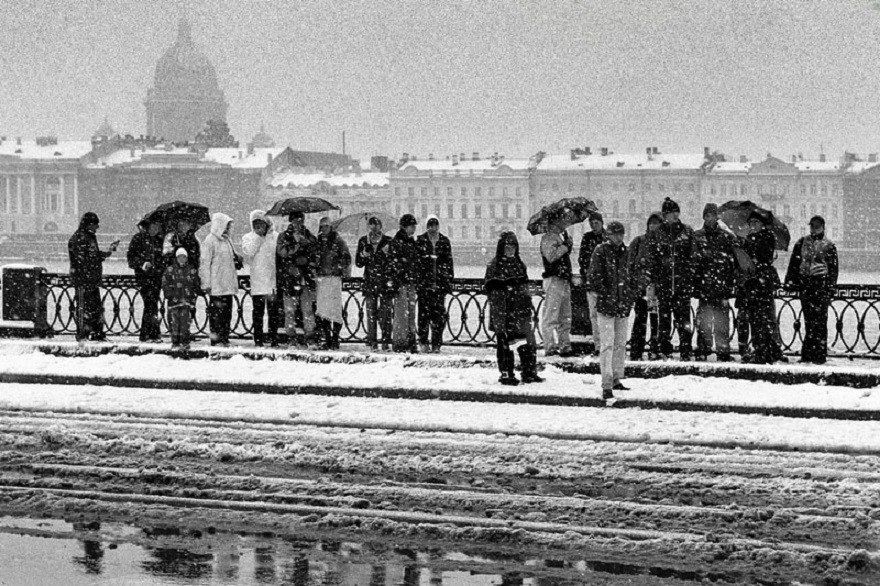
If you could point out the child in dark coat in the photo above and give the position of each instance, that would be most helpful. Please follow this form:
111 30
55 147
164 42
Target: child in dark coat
181 286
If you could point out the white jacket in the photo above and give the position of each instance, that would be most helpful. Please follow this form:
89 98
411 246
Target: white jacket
259 252
217 270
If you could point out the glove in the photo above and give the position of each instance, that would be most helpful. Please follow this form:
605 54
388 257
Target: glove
147 266
725 303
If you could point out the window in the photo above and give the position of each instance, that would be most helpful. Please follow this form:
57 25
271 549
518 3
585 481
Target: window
616 208
464 191
491 192
743 189
424 210
803 210
824 190
52 197
397 210
478 191
812 189
598 186
835 189
492 210
505 210
812 209
448 192
478 233
424 192
464 233
803 189
824 210
478 210
464 211
518 211
504 191
518 192
570 187
632 206
834 210
437 209
786 211
412 208
396 192
449 209
723 191
437 193
410 191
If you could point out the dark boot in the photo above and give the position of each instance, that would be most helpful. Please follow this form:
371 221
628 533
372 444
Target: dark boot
528 357
335 335
505 365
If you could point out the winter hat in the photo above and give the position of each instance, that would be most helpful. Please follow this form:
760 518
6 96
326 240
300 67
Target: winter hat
615 227
144 222
181 252
669 206
597 216
374 221
817 220
655 217
432 219
89 218
408 220
711 208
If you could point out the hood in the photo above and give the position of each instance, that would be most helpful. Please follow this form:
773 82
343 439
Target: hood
654 216
219 221
502 241
260 215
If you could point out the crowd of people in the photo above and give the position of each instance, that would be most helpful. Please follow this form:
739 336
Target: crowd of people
295 274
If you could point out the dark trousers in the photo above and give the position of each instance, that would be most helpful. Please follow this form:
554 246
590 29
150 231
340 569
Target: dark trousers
742 327
678 308
263 304
815 346
220 318
713 326
432 314
89 313
379 309
178 323
640 330
762 324
150 322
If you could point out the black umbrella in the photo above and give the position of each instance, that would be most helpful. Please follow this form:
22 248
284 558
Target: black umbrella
736 215
168 214
306 205
572 209
357 225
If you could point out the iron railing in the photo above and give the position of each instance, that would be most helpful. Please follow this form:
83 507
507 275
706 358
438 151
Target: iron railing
854 317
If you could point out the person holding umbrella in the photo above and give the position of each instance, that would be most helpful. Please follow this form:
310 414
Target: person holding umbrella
372 256
295 257
403 264
217 274
556 317
812 274
145 258
258 249
86 270
182 235
759 289
334 263
437 272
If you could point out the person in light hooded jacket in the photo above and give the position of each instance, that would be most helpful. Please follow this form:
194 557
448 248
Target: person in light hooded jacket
258 250
217 272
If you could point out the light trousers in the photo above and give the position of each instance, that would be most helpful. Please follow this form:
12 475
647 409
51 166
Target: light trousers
613 351
592 300
556 314
404 329
306 302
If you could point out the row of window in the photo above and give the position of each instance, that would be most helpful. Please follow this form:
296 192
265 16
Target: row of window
500 211
675 186
821 209
463 191
814 189
15 197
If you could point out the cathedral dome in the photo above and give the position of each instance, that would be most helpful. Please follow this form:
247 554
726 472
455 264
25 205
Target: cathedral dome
183 69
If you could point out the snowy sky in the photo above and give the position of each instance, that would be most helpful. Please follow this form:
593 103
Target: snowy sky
744 76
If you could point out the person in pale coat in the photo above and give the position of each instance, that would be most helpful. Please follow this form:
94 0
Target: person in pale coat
218 277
258 250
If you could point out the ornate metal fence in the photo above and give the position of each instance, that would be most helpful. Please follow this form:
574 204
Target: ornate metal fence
854 318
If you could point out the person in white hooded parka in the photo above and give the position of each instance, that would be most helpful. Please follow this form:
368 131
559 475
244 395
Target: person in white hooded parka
258 249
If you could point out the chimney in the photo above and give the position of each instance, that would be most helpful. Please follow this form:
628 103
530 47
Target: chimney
240 155
18 140
131 152
268 158
705 152
648 152
587 151
794 158
822 158
250 148
475 156
430 156
656 150
872 157
604 151
573 153
743 159
454 160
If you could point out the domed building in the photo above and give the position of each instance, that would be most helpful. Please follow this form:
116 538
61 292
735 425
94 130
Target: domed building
185 92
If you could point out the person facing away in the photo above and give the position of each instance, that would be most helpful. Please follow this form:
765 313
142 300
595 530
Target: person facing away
217 272
334 263
295 258
609 275
556 315
372 256
436 270
86 271
180 284
759 289
812 273
258 250
510 311
403 265
643 313
669 268
183 234
715 274
589 242
146 260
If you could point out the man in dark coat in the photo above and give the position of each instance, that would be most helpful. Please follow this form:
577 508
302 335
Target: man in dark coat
403 269
333 264
760 288
812 273
669 268
372 256
714 285
589 242
86 270
436 272
295 259
510 311
637 258
146 259
609 276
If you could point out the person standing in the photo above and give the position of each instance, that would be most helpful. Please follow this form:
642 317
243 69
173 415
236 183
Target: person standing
183 235
759 289
643 313
334 263
510 311
145 258
258 250
403 264
812 274
609 274
714 285
295 257
372 256
669 269
180 283
86 271
589 242
436 272
556 315
217 273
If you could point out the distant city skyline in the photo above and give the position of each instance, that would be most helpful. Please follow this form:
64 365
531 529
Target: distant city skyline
750 77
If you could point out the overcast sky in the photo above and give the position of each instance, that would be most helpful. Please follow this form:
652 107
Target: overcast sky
741 76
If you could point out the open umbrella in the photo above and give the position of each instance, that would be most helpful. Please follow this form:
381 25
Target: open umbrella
168 214
572 209
736 215
306 205
356 224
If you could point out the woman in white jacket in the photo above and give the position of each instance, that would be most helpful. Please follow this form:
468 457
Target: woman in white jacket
258 249
218 275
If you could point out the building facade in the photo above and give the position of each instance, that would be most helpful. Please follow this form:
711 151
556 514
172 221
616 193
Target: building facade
861 207
353 192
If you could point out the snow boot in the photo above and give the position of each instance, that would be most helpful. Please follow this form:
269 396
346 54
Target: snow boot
334 335
528 357
505 365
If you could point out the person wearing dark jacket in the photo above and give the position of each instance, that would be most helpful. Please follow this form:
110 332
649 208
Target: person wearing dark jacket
643 313
181 285
146 259
183 235
86 270
759 289
403 272
589 242
372 256
714 285
610 278
510 311
669 268
436 272
812 274
295 259
333 263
